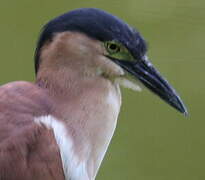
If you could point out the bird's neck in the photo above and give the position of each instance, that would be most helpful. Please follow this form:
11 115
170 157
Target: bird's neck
89 107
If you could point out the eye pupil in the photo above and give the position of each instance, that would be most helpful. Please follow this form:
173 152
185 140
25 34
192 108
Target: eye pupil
114 47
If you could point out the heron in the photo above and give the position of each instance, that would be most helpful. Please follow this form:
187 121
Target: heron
60 126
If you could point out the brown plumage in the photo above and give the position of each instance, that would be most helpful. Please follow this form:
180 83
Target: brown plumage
74 95
60 126
27 151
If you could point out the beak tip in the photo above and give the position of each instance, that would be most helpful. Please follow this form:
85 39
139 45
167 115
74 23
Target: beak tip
182 108
186 114
178 104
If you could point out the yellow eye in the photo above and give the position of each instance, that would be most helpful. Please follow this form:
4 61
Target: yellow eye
113 47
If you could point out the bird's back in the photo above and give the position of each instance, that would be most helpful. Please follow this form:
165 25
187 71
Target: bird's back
27 150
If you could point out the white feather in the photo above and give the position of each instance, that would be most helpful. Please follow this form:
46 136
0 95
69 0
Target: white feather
128 84
73 168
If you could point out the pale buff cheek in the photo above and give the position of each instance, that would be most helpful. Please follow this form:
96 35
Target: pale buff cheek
78 50
109 68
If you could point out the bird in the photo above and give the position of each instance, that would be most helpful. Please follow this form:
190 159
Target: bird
59 127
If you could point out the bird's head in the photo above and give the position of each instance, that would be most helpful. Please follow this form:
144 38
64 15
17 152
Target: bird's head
102 44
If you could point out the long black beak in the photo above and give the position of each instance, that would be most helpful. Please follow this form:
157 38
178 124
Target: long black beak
151 78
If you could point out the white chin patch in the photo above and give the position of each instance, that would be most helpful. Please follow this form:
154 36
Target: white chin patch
128 84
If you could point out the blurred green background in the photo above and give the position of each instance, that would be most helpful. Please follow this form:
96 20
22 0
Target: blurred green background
152 140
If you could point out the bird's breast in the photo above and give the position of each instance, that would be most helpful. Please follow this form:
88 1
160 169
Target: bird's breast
83 126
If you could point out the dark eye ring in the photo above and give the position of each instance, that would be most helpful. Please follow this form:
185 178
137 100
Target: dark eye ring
114 48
